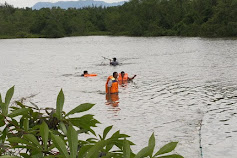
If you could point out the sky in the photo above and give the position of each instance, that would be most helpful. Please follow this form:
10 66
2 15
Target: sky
30 3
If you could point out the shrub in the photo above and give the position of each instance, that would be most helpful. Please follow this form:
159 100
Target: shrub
33 132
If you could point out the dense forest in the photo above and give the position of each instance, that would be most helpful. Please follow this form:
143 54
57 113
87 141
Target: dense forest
206 18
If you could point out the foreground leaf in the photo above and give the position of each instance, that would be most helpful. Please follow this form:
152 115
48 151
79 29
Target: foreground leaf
20 104
171 156
83 150
151 145
8 98
167 148
0 98
18 140
2 122
97 147
106 131
44 132
59 104
26 124
126 149
81 108
63 127
73 141
60 145
32 138
142 153
18 112
38 155
85 122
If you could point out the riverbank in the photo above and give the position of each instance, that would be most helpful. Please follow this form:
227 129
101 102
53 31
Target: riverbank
101 34
134 18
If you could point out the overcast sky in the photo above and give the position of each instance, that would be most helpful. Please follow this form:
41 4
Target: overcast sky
30 3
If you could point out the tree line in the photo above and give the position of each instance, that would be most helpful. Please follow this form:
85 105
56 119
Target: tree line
206 18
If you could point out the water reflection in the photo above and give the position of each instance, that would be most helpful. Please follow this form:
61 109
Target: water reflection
123 83
112 99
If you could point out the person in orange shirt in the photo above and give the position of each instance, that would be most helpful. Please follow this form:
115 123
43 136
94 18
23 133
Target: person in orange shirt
111 88
111 85
124 77
85 74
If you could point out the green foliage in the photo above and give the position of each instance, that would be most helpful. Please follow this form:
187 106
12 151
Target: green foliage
72 141
167 148
211 18
44 133
60 102
80 108
33 132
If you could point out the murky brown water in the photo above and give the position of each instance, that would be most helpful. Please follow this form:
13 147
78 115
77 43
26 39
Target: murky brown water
185 89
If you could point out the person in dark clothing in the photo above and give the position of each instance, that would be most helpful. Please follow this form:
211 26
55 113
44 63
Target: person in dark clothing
114 62
84 73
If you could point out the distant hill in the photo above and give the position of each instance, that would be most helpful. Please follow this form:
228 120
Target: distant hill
75 4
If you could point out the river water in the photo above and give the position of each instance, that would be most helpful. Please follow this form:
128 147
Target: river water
185 89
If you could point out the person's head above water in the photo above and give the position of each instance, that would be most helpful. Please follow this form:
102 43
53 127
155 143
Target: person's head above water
85 72
114 59
115 74
122 73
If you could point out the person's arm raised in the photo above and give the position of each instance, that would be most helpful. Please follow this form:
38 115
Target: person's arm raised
132 77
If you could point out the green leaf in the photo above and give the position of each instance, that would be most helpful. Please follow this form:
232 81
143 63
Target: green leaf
2 122
8 98
60 145
109 147
85 122
18 140
14 122
31 138
81 108
36 107
18 112
4 134
26 124
25 155
50 156
0 98
91 140
142 153
72 141
113 155
106 131
63 127
2 106
83 150
97 147
151 145
118 135
4 109
171 156
167 148
38 155
126 149
59 104
20 104
44 132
